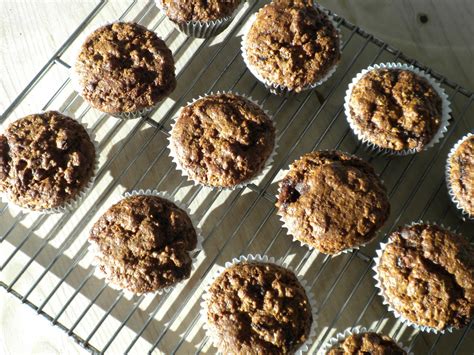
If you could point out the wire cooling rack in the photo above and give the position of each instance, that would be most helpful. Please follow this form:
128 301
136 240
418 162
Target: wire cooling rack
44 258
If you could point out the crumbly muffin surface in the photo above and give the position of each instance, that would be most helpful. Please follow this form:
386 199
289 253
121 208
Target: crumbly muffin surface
366 343
258 308
292 44
427 275
396 109
222 140
181 11
45 160
461 175
123 68
332 201
143 244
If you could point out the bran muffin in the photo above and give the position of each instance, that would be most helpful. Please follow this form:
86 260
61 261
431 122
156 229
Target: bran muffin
426 274
181 11
124 69
291 45
222 140
200 18
143 244
395 109
460 175
366 343
258 308
332 201
46 161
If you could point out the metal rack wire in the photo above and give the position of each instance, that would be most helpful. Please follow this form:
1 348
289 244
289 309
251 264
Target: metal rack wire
44 259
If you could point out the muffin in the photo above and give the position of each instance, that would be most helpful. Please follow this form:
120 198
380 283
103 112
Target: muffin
143 243
46 161
426 274
258 308
124 69
200 18
332 201
394 109
460 175
222 140
365 343
291 46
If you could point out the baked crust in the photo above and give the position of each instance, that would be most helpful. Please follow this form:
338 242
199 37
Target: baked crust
332 201
143 244
46 159
123 68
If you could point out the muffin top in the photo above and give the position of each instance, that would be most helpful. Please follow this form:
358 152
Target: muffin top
123 67
222 140
332 201
258 308
427 275
143 244
366 343
292 44
395 109
46 159
461 175
181 11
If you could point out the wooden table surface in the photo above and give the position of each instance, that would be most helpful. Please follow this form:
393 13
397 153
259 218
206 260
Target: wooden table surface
438 33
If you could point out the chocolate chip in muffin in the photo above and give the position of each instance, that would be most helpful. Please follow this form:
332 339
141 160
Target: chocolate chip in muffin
45 161
395 109
258 308
181 11
124 68
461 175
427 276
366 343
222 140
332 201
292 44
143 244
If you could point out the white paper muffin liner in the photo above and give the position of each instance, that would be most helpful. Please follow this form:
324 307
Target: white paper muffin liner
311 247
280 89
78 87
385 301
261 259
73 203
451 193
202 29
264 170
445 114
340 337
95 251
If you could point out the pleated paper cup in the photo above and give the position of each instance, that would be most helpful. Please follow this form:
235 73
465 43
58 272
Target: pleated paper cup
340 337
202 29
260 259
452 195
365 139
386 301
263 171
95 250
71 204
280 89
79 88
